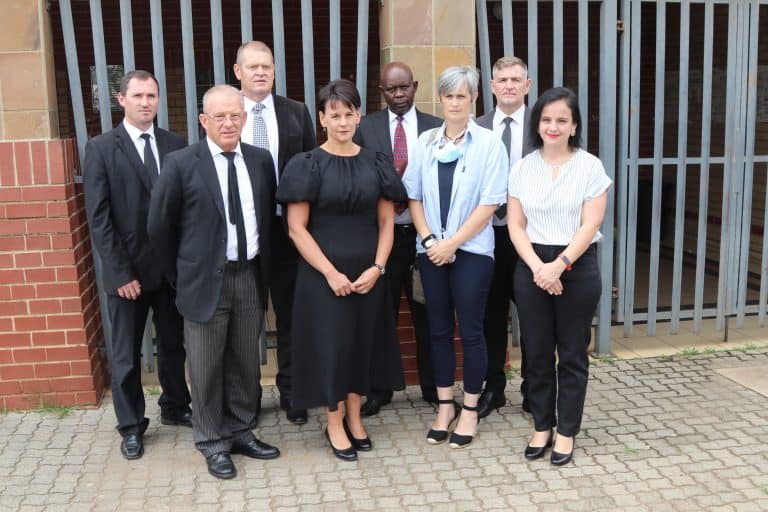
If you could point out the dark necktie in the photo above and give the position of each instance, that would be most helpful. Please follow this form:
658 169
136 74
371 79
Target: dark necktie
506 138
236 207
400 157
149 159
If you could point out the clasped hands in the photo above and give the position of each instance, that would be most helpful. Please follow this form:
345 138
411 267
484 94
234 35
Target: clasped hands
342 286
547 277
442 252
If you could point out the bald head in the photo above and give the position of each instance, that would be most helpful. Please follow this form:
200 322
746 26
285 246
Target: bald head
398 87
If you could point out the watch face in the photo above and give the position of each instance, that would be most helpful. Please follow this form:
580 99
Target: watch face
429 243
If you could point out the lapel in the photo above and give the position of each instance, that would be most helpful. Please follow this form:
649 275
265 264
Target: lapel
382 133
207 171
421 127
251 166
283 120
162 144
128 148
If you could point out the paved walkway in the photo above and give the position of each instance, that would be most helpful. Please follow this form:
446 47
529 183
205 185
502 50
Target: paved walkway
659 434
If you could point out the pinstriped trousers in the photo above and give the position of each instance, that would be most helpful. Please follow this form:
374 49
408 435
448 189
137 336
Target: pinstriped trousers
223 362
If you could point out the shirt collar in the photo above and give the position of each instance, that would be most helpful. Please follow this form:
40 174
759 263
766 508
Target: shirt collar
134 133
216 150
268 102
472 128
408 117
518 115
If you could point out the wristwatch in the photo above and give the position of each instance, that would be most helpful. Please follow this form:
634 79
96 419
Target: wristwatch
429 241
380 267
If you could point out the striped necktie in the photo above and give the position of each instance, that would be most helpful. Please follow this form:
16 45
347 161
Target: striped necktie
400 157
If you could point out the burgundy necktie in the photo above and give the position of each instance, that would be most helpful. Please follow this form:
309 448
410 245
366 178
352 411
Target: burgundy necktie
400 157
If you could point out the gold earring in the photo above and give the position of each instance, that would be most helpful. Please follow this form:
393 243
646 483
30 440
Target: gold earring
573 132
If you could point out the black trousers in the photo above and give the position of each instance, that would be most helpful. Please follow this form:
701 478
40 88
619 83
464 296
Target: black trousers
399 275
497 311
128 318
282 281
559 323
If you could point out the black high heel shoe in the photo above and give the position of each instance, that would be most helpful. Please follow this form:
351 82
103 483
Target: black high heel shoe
439 436
463 440
536 452
561 459
363 445
346 454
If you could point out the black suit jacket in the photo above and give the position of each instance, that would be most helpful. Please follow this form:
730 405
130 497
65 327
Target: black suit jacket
117 193
188 228
373 132
295 129
486 121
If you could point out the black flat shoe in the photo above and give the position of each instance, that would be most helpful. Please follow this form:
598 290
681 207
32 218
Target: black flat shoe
463 440
132 446
255 449
489 401
362 445
173 419
372 406
536 452
347 454
561 459
221 466
439 436
296 416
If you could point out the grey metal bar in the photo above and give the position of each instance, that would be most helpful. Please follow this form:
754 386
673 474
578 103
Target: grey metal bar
533 50
658 153
100 60
557 31
246 21
682 152
190 83
506 23
334 14
706 118
608 56
361 72
217 42
764 264
485 54
126 32
622 175
634 150
158 60
750 61
278 35
691 160
309 56
583 69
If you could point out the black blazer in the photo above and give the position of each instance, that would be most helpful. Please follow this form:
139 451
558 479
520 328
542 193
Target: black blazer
295 129
117 189
373 132
486 121
188 228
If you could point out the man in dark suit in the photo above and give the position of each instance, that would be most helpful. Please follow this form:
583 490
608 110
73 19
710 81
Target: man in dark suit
121 167
283 127
510 84
394 131
210 220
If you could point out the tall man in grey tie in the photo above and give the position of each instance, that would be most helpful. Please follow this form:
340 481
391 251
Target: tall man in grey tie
283 127
510 84
120 171
210 219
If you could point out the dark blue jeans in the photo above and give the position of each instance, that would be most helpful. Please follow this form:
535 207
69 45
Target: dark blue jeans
457 291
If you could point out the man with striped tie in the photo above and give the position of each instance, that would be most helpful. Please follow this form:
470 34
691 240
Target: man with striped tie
284 128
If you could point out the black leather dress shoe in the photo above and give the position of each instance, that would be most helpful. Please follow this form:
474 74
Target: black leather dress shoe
363 445
346 454
371 407
296 416
184 420
221 466
255 449
536 452
489 401
132 446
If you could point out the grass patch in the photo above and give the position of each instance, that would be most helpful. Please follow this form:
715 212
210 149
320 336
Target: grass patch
60 411
709 350
628 450
690 351
153 391
746 347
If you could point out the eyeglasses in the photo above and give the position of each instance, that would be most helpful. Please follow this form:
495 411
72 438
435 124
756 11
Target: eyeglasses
221 118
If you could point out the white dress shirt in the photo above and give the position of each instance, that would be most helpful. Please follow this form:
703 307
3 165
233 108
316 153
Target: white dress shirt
411 127
246 200
135 135
271 121
516 141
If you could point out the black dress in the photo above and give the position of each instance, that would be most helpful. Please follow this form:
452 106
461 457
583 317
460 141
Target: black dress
341 344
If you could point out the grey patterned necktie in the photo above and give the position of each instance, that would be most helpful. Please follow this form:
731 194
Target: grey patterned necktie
260 137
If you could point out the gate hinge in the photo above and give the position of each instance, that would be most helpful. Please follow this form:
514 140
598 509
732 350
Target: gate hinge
620 26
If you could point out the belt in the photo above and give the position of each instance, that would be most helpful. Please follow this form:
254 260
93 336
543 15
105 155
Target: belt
240 265
405 228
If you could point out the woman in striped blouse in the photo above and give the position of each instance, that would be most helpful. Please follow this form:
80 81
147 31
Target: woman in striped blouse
557 199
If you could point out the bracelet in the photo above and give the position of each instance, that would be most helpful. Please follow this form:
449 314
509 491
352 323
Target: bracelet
426 239
568 264
380 267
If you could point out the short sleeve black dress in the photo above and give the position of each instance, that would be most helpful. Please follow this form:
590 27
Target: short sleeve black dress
341 345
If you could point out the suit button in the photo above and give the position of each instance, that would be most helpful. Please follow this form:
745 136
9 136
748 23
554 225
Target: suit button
218 271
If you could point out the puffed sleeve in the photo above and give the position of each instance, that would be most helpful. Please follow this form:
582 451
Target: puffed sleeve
391 186
598 181
300 180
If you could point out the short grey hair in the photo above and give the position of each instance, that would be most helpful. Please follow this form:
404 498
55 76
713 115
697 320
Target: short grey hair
223 88
454 77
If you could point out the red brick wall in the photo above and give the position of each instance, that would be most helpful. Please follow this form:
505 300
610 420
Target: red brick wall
50 328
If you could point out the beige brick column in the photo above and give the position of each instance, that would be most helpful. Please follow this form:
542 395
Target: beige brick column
429 36
27 83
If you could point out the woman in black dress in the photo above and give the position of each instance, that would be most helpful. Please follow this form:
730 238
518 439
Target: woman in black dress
340 216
